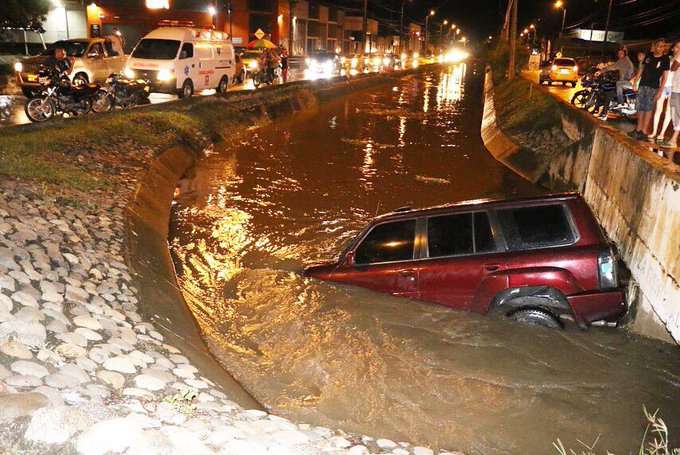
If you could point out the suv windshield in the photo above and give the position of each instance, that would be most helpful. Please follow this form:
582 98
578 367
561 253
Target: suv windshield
72 48
564 62
156 49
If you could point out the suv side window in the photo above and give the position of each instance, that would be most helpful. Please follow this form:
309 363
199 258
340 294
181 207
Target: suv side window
187 51
464 233
536 227
389 242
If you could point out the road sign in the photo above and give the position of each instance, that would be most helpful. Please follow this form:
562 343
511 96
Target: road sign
259 34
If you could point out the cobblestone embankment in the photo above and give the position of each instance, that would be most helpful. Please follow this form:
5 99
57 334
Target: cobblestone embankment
634 193
97 357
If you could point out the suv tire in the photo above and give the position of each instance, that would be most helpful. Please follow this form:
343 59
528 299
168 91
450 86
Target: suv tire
536 316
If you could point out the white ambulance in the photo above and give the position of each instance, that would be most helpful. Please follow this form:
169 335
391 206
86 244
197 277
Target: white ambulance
183 60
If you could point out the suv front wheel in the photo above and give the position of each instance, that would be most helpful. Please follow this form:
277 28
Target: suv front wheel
536 316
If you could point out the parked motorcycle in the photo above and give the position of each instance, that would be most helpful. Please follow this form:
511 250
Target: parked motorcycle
593 95
58 96
123 92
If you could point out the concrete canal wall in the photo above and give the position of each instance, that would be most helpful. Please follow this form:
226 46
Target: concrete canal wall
634 194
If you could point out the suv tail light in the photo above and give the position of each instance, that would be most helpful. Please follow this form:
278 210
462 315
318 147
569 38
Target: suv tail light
606 266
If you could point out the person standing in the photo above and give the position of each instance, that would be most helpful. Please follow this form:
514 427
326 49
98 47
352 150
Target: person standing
675 97
284 64
652 77
663 105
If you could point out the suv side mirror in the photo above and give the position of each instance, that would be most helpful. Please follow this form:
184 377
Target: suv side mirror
349 258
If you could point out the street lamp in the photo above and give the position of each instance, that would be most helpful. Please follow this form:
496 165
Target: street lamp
212 11
427 28
560 4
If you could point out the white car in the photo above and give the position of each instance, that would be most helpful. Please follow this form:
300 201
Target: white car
92 59
183 60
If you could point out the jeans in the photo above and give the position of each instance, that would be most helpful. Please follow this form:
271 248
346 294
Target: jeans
620 86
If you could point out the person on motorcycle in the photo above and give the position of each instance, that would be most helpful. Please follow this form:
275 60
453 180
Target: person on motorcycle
60 62
626 71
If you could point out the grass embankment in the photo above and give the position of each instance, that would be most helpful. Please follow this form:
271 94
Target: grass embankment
520 105
90 153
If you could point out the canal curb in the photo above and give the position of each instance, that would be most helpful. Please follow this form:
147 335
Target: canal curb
633 193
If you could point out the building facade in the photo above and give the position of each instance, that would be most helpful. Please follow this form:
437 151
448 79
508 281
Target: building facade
315 25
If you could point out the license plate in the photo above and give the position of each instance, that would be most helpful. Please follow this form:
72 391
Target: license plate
31 77
564 71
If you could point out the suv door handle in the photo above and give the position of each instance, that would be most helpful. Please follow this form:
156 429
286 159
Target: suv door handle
408 273
491 267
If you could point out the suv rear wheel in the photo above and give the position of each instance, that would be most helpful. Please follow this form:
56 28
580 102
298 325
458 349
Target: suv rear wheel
536 316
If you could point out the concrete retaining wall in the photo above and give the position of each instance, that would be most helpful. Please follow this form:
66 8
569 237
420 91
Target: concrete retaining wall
634 193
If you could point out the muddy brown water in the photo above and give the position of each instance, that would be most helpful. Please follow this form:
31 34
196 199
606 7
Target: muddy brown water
322 353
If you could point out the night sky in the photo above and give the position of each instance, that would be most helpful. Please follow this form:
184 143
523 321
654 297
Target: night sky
479 18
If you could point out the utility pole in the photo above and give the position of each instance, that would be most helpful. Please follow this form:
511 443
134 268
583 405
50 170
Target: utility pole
606 27
364 28
513 41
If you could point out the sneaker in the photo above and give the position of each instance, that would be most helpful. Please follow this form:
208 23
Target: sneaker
635 134
666 144
602 117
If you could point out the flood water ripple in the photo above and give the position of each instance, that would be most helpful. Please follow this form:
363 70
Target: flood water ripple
255 212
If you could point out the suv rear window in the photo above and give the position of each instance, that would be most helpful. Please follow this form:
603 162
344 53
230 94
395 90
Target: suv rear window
564 62
536 227
389 242
465 233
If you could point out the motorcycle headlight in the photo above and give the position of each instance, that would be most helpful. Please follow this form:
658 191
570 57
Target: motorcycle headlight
18 67
129 73
354 62
165 75
387 61
252 65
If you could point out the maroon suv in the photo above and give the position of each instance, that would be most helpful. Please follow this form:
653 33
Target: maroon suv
537 260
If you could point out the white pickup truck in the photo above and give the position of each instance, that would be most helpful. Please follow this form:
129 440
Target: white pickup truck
92 59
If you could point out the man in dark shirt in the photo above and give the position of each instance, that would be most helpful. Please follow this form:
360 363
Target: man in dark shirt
60 61
652 75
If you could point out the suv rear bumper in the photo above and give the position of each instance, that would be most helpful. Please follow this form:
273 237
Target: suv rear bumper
592 306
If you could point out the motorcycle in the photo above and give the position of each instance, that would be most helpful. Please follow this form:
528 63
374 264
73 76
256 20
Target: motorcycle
123 92
58 96
264 76
593 95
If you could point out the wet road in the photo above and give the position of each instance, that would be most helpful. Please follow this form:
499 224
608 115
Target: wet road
255 211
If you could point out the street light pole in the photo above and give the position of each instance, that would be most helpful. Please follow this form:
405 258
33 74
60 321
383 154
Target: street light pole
291 27
427 29
560 4
364 28
401 28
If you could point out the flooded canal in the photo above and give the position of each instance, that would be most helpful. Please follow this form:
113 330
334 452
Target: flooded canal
294 191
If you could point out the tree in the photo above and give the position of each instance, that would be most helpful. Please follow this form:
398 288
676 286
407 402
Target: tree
28 14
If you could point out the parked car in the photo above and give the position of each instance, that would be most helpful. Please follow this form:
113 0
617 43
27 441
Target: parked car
183 60
539 260
92 59
562 70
